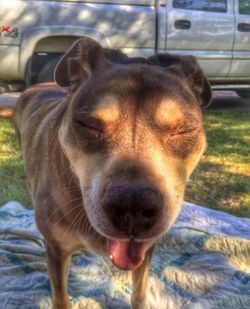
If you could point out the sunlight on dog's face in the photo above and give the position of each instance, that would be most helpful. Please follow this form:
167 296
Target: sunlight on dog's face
133 127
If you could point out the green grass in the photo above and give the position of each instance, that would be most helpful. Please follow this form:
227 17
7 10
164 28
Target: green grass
222 180
12 177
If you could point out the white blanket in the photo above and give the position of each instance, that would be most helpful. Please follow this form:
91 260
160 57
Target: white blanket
204 262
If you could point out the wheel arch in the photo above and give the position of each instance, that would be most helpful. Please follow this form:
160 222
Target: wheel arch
35 40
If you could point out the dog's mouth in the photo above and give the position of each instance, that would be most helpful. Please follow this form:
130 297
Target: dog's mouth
127 255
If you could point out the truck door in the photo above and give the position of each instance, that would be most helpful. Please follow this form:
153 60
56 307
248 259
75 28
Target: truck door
240 68
205 29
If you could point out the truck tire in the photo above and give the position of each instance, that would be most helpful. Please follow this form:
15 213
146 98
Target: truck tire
47 72
245 94
28 75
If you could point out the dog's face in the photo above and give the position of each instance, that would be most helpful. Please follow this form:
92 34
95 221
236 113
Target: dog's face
133 134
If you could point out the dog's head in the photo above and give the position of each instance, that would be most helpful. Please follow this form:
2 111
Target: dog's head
133 133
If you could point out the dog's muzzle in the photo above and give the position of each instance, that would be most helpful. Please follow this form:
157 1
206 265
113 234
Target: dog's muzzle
134 210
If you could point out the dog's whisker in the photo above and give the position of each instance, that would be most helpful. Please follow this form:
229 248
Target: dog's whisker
72 189
67 213
76 218
78 224
53 213
59 209
85 226
87 229
74 225
67 203
71 201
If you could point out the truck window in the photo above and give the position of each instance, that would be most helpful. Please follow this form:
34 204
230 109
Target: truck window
244 7
202 5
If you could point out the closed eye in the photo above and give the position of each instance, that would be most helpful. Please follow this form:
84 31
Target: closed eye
93 125
183 132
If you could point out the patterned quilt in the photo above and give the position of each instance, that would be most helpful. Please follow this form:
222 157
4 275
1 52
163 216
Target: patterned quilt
203 262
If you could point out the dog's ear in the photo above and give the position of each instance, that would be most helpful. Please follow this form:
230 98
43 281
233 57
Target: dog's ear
83 58
188 67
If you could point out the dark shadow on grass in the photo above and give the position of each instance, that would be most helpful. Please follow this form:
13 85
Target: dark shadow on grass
229 100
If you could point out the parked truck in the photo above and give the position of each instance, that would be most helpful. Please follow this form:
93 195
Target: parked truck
35 33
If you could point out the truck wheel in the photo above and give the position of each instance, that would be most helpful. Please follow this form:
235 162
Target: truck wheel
245 94
47 72
28 75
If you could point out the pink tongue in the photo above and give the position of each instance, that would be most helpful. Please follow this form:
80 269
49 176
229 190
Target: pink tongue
126 255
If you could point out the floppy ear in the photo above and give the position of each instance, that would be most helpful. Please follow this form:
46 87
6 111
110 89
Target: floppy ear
188 67
83 58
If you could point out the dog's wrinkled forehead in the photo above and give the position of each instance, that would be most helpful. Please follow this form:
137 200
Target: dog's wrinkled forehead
134 90
135 83
93 71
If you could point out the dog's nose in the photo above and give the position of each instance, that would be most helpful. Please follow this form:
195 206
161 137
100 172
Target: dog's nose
133 209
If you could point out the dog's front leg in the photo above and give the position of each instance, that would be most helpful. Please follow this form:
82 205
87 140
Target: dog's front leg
58 267
140 278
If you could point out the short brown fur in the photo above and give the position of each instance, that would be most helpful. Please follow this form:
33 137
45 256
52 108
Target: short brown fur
75 153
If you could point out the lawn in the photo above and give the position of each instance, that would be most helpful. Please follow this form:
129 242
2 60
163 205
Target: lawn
12 177
222 180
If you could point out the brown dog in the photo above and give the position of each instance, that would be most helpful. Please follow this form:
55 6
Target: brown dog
107 159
